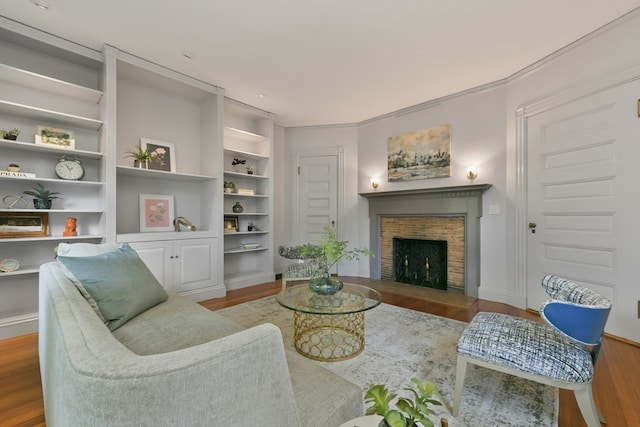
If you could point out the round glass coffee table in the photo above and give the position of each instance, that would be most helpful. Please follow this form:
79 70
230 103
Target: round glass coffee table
329 327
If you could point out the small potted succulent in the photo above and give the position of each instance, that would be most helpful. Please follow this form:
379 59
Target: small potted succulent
11 134
409 412
249 169
141 157
229 186
42 196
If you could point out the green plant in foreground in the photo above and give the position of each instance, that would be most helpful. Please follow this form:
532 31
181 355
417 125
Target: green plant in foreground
332 249
409 412
39 192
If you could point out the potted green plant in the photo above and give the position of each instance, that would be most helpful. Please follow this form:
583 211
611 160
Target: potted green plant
141 157
229 186
249 169
329 251
408 412
42 197
11 134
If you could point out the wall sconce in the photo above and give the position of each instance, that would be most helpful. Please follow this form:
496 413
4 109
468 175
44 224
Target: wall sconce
472 173
375 183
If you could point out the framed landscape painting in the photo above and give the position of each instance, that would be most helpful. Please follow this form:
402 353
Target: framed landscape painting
24 224
420 154
60 138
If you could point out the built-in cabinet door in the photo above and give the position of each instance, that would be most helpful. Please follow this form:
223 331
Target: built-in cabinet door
181 265
157 257
193 264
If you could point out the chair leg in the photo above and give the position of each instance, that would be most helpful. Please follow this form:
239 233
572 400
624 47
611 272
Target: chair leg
461 370
588 407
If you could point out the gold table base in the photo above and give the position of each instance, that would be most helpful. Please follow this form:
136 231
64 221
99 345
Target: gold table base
328 337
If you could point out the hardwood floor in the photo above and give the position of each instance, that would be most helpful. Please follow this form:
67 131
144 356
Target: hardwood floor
616 383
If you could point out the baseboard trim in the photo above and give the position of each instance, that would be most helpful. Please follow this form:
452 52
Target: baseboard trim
19 325
202 294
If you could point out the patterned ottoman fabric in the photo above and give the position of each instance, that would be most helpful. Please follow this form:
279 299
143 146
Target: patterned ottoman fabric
526 345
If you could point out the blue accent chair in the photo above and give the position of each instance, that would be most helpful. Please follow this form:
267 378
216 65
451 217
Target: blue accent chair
561 354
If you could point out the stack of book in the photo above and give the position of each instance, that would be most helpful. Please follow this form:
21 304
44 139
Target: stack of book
246 191
249 246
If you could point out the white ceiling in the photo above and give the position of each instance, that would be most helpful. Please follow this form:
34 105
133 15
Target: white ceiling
323 62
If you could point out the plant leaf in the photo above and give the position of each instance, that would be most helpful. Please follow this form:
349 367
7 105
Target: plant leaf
395 419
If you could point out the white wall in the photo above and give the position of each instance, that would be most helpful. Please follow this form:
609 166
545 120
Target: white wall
483 134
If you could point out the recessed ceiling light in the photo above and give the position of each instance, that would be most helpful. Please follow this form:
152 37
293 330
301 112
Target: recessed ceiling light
187 54
262 95
41 5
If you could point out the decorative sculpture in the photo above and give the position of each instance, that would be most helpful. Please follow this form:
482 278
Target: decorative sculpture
70 227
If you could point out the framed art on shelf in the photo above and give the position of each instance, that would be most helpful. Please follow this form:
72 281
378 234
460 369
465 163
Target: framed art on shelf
61 138
24 224
163 154
156 212
231 224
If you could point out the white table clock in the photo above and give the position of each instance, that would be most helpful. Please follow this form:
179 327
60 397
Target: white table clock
69 168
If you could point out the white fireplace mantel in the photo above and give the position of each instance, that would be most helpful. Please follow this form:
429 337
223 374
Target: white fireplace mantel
463 200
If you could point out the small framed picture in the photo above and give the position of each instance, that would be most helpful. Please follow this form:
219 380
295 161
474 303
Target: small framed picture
24 224
231 224
61 138
156 212
163 154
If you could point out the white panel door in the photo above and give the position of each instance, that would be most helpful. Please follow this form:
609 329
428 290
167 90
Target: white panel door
583 201
317 195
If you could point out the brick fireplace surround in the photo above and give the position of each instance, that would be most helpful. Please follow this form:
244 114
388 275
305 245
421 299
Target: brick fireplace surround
446 213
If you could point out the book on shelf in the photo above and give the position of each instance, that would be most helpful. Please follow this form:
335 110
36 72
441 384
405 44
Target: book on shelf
249 246
246 191
17 174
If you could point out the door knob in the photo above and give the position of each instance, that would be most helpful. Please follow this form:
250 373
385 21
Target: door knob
532 227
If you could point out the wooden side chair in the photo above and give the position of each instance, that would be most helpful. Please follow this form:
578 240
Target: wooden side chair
561 354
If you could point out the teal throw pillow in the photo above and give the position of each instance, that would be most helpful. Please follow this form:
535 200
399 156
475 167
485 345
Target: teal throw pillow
118 281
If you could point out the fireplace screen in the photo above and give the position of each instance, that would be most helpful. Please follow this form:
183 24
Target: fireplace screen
420 262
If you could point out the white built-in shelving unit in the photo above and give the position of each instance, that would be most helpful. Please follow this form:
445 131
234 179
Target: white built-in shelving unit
110 100
38 87
248 134
156 103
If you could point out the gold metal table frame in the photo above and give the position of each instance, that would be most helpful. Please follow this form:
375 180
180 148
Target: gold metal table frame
329 328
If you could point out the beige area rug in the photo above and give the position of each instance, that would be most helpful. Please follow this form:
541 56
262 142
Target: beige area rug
401 344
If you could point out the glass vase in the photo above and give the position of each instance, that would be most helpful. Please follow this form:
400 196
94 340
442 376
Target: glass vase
325 284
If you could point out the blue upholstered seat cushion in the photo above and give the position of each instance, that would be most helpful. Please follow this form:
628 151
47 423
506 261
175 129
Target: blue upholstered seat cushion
117 283
527 346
